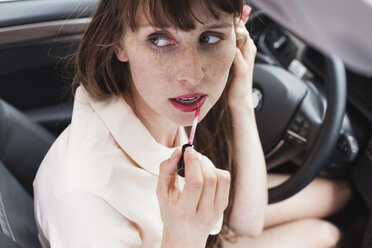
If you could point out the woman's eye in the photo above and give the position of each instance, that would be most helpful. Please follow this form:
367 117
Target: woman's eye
210 39
161 41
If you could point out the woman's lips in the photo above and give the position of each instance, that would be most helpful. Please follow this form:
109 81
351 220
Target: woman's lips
188 103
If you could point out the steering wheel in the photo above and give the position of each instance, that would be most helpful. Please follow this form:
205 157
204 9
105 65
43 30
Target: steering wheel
292 119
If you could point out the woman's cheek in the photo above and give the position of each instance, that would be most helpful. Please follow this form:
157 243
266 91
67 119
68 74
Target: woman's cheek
148 68
222 63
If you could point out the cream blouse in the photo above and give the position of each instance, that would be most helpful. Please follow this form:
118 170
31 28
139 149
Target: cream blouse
96 187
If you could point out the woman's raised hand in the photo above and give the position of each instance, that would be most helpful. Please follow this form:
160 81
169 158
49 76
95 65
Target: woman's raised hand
241 86
190 215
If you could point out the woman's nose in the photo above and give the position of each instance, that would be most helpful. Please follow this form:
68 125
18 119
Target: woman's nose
190 68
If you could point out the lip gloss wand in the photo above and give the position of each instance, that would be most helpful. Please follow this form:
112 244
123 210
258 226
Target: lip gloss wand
181 163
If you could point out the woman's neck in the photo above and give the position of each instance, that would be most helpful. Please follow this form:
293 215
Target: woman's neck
164 131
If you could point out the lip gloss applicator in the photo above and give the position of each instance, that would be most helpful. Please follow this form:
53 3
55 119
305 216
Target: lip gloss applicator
181 163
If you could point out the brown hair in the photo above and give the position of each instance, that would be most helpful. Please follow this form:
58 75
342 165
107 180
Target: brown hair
102 74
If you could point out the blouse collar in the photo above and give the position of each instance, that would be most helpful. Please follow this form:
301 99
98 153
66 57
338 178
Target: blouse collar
131 135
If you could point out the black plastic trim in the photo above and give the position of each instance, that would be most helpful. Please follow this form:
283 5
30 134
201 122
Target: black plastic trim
13 13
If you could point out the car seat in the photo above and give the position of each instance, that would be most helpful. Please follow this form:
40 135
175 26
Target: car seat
23 145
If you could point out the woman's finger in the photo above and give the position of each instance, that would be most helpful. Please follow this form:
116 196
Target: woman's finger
245 42
242 36
209 190
239 64
250 50
167 174
222 190
194 181
244 59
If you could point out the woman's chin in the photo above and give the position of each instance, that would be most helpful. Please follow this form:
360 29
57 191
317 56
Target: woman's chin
186 119
182 121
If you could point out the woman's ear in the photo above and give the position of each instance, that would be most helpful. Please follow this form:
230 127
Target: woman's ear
120 53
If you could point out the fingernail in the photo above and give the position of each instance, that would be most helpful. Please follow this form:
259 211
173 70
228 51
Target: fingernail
240 30
173 155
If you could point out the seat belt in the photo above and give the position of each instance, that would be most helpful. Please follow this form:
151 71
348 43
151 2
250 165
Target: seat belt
6 242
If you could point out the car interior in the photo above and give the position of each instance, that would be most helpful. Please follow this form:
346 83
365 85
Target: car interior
321 108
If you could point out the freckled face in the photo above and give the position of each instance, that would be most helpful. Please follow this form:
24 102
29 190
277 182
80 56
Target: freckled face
168 63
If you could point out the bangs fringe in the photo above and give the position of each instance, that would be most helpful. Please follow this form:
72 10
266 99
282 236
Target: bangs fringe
180 13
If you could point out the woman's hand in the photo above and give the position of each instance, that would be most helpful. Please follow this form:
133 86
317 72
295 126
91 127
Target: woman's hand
241 87
189 215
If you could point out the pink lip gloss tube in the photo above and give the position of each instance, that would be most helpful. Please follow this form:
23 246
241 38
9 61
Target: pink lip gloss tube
181 163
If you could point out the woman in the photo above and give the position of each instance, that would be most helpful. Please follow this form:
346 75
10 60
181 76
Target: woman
110 178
